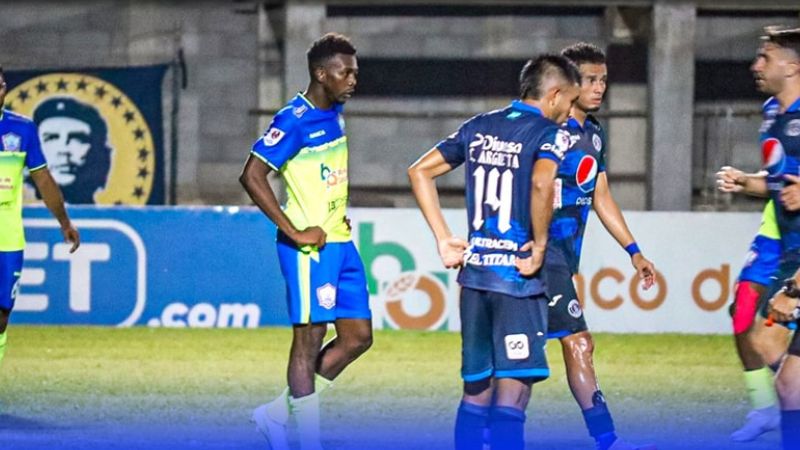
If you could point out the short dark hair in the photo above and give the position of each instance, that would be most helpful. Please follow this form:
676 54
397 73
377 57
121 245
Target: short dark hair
584 53
543 67
783 37
327 47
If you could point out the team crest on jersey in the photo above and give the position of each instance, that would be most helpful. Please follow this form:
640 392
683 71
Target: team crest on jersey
597 142
586 174
273 136
113 159
12 142
793 128
574 308
326 296
773 157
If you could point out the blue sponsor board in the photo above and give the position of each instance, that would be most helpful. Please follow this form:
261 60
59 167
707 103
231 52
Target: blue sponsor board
153 266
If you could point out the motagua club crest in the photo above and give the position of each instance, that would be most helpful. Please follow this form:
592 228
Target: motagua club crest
98 145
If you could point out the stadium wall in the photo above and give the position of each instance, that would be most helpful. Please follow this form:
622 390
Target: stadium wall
217 267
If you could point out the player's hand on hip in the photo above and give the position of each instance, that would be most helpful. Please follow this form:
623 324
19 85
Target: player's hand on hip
71 235
730 179
310 236
452 250
790 194
645 269
782 307
530 265
347 222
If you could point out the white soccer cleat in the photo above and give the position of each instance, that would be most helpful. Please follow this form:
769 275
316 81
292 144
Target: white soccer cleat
273 430
758 422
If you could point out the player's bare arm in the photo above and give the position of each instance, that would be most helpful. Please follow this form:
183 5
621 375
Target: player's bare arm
731 179
782 307
51 194
542 189
790 194
614 222
254 181
422 174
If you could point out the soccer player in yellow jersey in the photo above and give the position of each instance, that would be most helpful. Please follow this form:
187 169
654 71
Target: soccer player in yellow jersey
20 149
325 278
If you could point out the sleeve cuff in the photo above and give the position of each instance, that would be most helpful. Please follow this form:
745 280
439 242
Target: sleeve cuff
34 169
265 160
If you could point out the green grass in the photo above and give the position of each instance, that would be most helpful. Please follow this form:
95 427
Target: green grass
656 385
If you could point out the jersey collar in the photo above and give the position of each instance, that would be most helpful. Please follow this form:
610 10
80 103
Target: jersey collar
794 107
573 123
522 106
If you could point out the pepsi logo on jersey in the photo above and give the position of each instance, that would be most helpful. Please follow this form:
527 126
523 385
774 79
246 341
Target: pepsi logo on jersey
586 174
773 158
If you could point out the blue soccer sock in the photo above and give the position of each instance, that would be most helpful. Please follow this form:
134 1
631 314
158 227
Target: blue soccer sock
507 428
599 422
471 421
790 429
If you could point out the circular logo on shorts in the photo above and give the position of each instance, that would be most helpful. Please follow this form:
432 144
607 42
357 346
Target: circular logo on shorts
98 146
574 308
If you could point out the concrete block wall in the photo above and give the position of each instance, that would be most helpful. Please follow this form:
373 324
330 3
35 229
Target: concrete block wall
216 129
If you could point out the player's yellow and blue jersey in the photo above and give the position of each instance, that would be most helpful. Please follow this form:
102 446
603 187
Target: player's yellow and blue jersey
499 149
574 192
780 149
308 147
19 149
764 255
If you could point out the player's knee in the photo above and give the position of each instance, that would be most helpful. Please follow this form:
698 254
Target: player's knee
359 341
788 389
580 345
480 388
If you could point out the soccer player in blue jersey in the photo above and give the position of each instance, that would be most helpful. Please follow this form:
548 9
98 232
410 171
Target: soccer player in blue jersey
777 72
325 278
581 185
511 156
760 265
20 149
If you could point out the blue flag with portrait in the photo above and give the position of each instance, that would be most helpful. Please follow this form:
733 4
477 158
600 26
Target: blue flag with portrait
101 130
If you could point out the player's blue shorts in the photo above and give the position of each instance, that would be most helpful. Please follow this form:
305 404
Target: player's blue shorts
326 285
10 271
503 336
564 313
762 261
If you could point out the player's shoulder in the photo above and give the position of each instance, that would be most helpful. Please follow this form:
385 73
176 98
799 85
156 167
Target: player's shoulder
593 122
294 113
12 117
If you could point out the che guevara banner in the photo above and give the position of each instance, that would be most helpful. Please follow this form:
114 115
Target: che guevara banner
101 130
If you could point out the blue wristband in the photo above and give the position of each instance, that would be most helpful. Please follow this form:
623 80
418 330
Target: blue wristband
632 249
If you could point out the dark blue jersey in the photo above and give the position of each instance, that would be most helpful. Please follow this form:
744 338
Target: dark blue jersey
780 151
574 191
500 149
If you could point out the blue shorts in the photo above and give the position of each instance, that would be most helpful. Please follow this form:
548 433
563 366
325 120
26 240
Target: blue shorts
762 261
503 336
10 271
324 286
564 312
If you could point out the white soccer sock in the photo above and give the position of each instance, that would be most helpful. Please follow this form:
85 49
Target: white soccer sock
306 412
278 409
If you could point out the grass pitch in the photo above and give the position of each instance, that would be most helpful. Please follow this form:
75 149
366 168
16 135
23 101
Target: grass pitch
79 387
